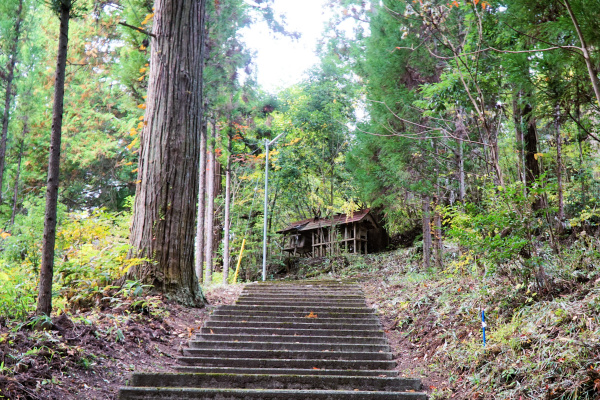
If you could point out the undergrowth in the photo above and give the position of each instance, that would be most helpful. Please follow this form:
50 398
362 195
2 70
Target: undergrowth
91 253
542 342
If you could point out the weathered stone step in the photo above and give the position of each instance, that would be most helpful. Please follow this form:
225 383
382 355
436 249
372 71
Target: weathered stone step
286 371
287 354
308 283
293 339
287 363
276 318
313 292
290 314
313 289
253 381
291 332
340 311
205 344
301 295
267 296
304 303
286 340
136 393
308 323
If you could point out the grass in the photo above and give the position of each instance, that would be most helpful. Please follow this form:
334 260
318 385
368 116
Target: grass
539 345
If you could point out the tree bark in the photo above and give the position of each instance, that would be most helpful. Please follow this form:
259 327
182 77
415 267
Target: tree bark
426 233
9 92
532 167
18 174
561 203
226 219
201 206
44 300
439 245
586 54
461 133
518 121
164 218
210 206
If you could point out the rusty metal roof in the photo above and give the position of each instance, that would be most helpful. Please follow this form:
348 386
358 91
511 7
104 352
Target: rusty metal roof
313 223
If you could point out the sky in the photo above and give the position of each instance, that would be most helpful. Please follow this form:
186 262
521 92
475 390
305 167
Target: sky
280 61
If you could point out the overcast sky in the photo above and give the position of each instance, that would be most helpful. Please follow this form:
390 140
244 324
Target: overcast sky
280 62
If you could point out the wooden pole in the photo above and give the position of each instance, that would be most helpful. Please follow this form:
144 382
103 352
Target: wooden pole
237 268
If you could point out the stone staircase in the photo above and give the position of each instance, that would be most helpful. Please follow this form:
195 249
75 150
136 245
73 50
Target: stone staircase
295 340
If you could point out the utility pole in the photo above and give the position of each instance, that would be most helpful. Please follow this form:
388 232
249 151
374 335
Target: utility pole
267 145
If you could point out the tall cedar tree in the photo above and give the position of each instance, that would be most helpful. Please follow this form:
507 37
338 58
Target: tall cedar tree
165 203
64 9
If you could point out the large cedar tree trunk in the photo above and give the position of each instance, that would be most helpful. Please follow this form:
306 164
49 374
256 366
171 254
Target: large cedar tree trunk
9 92
164 218
44 300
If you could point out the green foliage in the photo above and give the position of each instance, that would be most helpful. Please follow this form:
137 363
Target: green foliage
496 230
91 254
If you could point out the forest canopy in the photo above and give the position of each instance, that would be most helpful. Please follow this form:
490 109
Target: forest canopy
471 122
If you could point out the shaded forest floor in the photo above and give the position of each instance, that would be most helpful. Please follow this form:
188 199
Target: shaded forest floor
90 354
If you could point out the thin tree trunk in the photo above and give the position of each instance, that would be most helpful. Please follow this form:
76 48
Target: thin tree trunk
44 300
163 228
561 206
200 214
532 167
461 172
18 174
9 92
227 218
586 54
201 206
518 122
210 206
581 163
439 249
426 233
461 131
218 215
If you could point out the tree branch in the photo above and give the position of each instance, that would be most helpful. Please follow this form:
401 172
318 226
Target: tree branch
135 28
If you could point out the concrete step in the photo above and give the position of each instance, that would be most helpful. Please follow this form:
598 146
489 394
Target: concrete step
207 344
286 371
265 381
304 303
287 363
232 310
286 354
316 292
306 340
262 295
275 318
290 332
333 310
292 338
306 289
137 393
306 323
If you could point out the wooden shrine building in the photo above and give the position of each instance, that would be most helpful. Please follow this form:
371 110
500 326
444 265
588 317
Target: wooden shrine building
358 233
